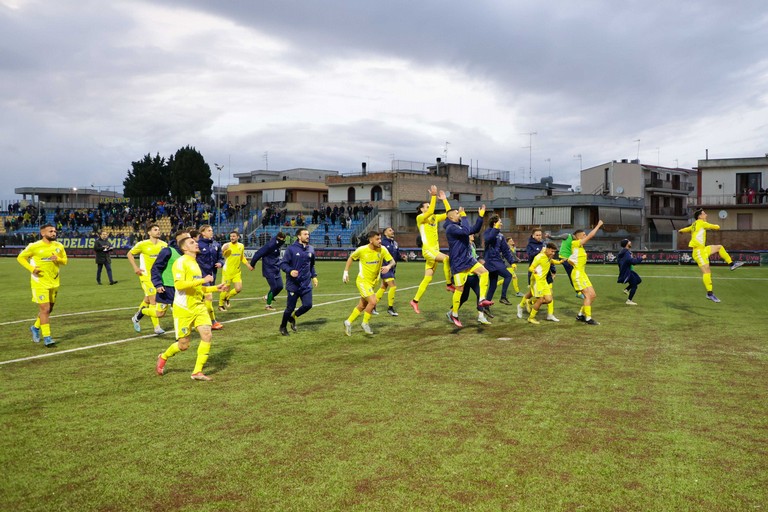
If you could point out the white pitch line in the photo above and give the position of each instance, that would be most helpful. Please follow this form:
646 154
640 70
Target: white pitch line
107 343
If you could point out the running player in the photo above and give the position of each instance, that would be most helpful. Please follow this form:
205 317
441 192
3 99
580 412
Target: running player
43 259
210 260
298 263
234 255
513 268
371 258
147 250
269 254
162 275
189 311
496 252
702 251
427 222
578 259
540 288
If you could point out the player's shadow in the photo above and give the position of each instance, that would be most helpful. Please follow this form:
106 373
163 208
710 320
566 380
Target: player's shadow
315 322
220 359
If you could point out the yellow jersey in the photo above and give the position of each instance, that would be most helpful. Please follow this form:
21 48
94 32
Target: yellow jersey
233 257
428 223
370 261
39 255
540 266
578 257
189 284
698 232
147 252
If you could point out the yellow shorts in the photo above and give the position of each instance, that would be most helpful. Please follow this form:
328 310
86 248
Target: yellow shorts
230 280
365 288
460 279
580 280
184 320
541 288
148 287
701 255
44 295
430 257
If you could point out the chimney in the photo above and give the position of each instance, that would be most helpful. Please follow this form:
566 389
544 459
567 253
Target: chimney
364 168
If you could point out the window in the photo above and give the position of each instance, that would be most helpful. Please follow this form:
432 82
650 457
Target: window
376 193
351 195
743 221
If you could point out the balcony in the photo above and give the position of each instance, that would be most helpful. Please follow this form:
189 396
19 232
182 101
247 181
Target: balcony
728 200
669 186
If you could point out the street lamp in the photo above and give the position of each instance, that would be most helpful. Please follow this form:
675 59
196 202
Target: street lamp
74 205
218 189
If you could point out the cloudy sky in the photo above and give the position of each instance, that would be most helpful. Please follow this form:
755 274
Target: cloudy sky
88 86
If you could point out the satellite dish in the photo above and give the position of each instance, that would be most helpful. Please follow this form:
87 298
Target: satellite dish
723 214
619 190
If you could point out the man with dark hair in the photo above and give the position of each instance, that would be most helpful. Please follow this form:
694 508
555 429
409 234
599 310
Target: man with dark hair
388 278
702 251
427 222
534 247
541 290
189 311
43 259
578 259
298 263
234 255
496 252
458 231
102 247
147 250
627 274
210 260
269 254
371 257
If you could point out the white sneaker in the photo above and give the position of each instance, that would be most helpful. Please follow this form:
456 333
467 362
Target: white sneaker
136 324
626 292
519 311
347 328
630 303
519 294
481 318
159 330
374 312
366 328
552 318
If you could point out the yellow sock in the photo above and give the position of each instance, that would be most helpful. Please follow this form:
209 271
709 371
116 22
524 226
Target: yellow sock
515 284
391 296
171 351
551 307
533 314
447 271
209 307
379 294
202 356
422 287
456 302
222 298
366 317
588 311
143 304
581 311
484 282
37 322
522 301
707 278
150 311
353 316
724 254
45 330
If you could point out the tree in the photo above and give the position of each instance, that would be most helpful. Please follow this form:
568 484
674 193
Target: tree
148 178
189 174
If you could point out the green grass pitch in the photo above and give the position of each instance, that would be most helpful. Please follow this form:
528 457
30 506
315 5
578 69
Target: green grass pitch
663 406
